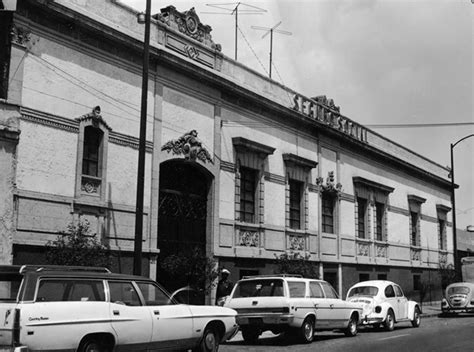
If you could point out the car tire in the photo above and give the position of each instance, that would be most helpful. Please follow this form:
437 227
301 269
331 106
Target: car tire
351 329
92 345
389 323
416 318
306 331
209 341
250 335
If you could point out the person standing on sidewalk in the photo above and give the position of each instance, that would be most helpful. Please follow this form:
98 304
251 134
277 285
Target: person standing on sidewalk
224 287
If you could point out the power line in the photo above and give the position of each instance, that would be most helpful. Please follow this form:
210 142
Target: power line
417 125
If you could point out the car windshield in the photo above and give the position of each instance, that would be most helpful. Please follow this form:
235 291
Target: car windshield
363 291
259 288
458 290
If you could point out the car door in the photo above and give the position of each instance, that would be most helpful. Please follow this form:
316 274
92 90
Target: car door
391 299
321 306
131 320
337 311
173 324
402 302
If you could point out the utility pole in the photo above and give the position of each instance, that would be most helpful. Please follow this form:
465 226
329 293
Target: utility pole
137 253
271 30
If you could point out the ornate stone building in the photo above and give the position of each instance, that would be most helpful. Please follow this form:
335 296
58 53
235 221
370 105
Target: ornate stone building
236 163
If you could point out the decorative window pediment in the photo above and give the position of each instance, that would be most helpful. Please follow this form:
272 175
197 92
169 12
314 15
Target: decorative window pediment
416 199
245 145
91 163
295 160
190 146
363 182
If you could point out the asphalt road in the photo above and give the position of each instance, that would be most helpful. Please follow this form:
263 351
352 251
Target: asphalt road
435 334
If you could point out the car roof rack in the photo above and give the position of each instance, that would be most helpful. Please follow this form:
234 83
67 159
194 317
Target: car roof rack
40 268
271 275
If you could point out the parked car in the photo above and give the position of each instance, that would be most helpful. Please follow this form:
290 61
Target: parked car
459 297
91 309
384 303
282 303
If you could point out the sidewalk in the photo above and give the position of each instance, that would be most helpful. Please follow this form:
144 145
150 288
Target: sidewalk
432 309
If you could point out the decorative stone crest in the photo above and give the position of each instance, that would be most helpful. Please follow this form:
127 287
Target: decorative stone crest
20 35
330 185
96 118
297 243
188 23
248 238
363 249
189 146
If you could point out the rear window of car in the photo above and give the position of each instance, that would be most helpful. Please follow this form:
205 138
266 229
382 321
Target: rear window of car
297 289
9 286
363 291
259 288
59 290
463 290
328 290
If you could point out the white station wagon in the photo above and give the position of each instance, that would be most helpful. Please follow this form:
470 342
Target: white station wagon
94 310
282 303
384 303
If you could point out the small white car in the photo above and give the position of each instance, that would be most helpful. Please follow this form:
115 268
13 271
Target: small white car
384 303
459 298
282 303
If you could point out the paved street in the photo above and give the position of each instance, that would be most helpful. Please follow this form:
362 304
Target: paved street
434 334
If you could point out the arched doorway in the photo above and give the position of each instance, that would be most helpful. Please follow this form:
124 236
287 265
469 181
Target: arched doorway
182 217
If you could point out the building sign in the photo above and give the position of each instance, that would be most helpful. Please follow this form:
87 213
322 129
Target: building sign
325 111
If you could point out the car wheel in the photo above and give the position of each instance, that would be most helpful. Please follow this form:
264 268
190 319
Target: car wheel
351 329
209 341
416 318
91 345
389 323
307 330
250 335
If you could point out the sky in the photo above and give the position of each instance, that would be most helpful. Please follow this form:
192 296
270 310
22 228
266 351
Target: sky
384 62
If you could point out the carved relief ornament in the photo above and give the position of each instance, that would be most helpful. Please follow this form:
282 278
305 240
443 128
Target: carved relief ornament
189 146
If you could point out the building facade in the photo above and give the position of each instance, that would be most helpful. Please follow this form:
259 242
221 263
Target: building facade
236 163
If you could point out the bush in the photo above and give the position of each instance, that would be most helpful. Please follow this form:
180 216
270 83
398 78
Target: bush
190 267
78 247
295 263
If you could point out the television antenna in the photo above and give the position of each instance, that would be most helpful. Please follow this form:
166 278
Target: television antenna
270 31
235 9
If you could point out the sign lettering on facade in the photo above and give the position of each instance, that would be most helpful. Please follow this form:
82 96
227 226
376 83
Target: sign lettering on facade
323 110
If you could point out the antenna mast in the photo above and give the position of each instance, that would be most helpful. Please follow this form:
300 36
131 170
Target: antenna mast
271 30
233 9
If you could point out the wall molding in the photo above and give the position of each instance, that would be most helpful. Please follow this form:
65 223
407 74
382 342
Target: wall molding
71 125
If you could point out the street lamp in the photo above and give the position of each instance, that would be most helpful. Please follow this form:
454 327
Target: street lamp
453 201
137 252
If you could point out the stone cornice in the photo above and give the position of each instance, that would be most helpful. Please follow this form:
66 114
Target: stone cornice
443 208
71 125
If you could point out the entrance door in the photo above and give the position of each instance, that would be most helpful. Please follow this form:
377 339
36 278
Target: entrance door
184 188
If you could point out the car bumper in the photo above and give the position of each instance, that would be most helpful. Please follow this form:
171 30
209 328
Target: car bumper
449 309
372 319
267 319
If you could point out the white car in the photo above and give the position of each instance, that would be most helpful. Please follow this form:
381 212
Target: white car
384 303
282 303
459 298
93 310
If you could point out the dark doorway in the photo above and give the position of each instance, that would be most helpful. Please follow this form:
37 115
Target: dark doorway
184 188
